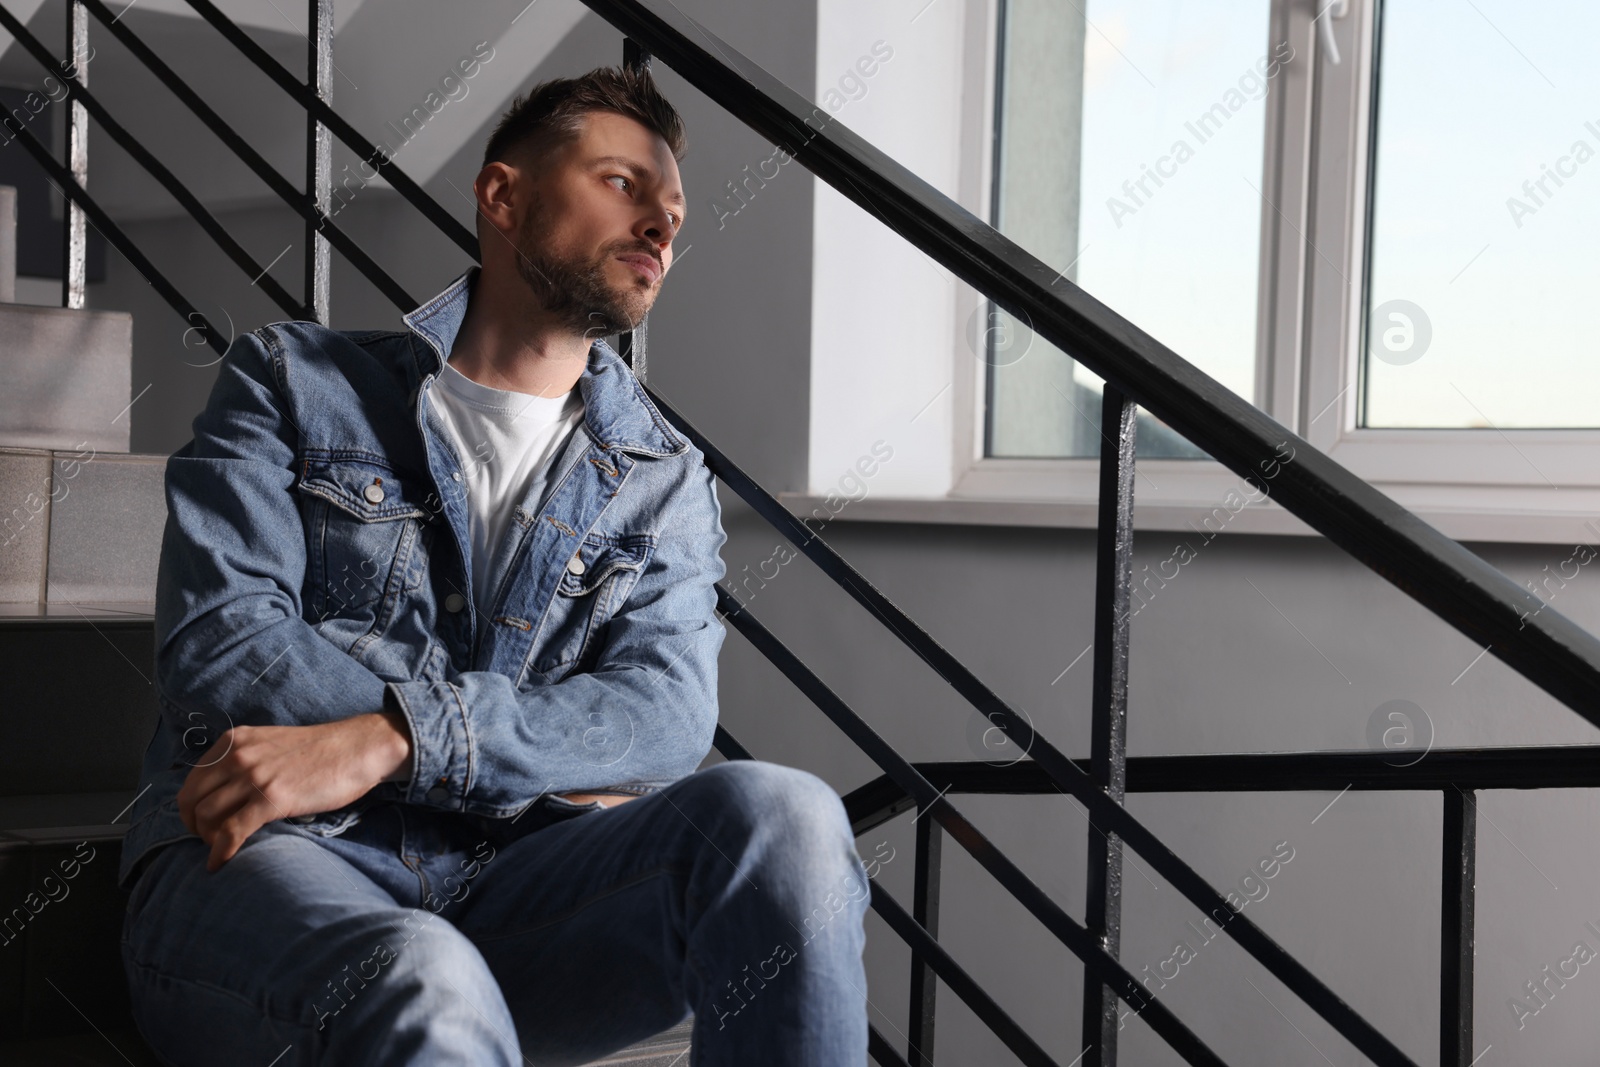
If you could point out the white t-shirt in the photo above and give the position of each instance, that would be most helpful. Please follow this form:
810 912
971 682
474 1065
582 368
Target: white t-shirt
508 442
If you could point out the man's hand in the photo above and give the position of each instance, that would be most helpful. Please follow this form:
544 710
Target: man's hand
274 772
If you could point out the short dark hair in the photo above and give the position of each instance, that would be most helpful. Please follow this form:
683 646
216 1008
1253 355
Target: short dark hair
552 112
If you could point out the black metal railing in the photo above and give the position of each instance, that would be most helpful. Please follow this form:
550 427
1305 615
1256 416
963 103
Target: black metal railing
1454 584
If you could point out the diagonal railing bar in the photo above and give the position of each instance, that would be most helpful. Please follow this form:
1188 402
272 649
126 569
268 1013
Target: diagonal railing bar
1011 877
879 1048
725 743
1105 813
286 190
927 949
70 188
1550 650
303 95
78 91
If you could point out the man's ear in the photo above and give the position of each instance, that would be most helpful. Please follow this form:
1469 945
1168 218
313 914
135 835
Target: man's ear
493 190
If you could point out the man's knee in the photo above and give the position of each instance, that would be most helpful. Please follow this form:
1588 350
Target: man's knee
782 819
776 796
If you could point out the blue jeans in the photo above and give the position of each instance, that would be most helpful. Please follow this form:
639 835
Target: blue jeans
428 937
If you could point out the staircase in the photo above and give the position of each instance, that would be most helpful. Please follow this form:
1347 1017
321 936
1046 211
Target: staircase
80 537
80 531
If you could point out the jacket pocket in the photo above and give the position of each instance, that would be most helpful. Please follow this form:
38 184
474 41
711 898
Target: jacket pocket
364 521
589 593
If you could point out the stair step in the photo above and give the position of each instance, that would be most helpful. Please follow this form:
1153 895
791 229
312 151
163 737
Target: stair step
670 1048
24 522
8 244
68 378
80 528
105 527
79 707
60 953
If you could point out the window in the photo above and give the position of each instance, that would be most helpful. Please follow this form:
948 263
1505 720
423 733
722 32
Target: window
1130 155
1353 249
1485 217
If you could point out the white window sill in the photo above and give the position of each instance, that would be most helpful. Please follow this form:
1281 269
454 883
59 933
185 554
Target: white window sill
1513 515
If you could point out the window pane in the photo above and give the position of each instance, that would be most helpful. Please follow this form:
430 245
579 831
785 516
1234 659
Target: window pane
1130 157
1485 217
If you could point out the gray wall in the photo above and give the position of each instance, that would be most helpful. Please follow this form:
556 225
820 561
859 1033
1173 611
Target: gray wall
1215 665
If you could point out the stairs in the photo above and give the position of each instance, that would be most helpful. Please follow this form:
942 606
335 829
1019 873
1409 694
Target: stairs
80 533
81 520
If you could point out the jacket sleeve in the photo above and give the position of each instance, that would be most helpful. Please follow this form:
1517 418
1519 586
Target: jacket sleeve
644 714
231 646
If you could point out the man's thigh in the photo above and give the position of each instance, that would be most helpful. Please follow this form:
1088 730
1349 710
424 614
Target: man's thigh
613 924
288 946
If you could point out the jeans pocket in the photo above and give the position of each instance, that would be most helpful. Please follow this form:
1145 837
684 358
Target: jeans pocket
563 807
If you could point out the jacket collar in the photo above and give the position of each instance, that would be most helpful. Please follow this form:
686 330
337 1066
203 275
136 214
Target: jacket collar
616 410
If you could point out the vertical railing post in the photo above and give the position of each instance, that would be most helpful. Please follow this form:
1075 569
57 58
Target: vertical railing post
319 159
925 909
1108 731
631 343
1456 926
75 238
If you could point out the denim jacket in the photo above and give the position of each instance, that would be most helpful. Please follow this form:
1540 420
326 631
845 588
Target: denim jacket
315 565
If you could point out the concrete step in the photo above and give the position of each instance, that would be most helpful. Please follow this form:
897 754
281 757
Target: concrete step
80 530
8 244
78 709
68 378
60 931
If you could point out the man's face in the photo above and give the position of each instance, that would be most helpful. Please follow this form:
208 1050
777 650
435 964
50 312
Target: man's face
596 241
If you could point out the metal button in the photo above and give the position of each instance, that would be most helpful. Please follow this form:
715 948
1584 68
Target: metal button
373 493
455 476
454 602
438 794
575 566
304 818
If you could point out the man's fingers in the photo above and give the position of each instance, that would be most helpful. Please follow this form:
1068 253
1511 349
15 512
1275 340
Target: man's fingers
210 813
200 782
234 831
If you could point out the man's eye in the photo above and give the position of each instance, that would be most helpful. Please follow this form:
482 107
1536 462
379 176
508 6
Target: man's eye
621 178
676 221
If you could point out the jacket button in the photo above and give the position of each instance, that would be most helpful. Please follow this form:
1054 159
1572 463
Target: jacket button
575 566
373 493
454 603
438 794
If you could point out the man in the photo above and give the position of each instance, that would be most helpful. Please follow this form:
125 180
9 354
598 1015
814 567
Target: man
436 658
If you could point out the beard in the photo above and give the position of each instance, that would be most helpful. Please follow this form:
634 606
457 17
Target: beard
576 290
